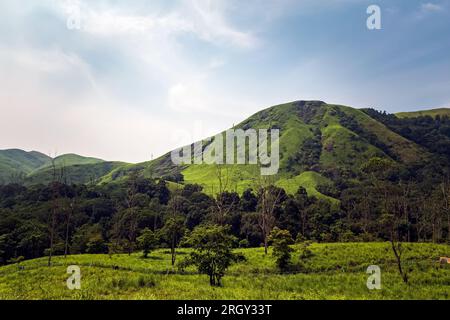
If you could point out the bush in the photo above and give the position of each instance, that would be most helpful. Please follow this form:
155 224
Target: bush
244 243
147 241
212 251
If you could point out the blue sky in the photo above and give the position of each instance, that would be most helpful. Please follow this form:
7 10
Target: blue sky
139 78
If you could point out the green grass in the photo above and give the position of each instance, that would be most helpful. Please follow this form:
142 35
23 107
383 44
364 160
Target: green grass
335 271
309 180
344 148
236 177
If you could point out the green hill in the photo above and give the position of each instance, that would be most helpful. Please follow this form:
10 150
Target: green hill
75 159
87 173
432 113
34 167
15 163
317 142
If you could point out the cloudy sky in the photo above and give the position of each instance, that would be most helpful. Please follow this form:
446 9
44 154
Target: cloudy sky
125 80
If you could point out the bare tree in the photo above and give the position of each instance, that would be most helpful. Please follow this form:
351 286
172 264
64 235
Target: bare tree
222 207
53 212
269 198
132 214
398 252
445 189
69 215
421 218
405 206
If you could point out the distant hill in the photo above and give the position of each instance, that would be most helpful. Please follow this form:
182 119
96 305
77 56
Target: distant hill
75 159
82 173
432 113
34 167
15 163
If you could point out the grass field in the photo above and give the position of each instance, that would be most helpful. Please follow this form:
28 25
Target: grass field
334 271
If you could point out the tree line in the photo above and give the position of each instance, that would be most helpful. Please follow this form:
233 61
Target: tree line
61 219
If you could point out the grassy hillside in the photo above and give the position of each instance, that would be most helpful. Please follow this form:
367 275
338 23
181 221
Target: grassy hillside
309 180
334 271
432 113
318 137
314 137
74 174
72 159
15 162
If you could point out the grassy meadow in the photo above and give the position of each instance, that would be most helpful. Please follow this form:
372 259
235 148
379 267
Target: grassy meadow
333 271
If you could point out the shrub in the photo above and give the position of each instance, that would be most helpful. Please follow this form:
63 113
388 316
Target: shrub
212 251
147 241
244 243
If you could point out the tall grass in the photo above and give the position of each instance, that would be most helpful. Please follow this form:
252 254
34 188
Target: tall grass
333 271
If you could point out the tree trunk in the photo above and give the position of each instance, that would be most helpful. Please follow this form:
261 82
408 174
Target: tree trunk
52 235
66 244
399 262
173 251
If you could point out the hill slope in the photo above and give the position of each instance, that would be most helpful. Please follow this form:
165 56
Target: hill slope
318 142
83 173
432 113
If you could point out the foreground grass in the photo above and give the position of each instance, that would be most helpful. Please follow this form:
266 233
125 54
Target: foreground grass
335 271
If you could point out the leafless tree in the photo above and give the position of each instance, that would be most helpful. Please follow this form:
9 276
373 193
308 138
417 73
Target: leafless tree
132 214
53 211
269 198
222 207
445 190
69 215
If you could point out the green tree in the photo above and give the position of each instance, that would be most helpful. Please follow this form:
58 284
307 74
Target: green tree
281 239
96 244
172 232
212 251
147 241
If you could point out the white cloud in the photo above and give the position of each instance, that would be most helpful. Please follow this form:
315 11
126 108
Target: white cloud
210 23
431 7
70 106
206 19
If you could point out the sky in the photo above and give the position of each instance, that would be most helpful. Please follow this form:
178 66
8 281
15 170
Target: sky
132 80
